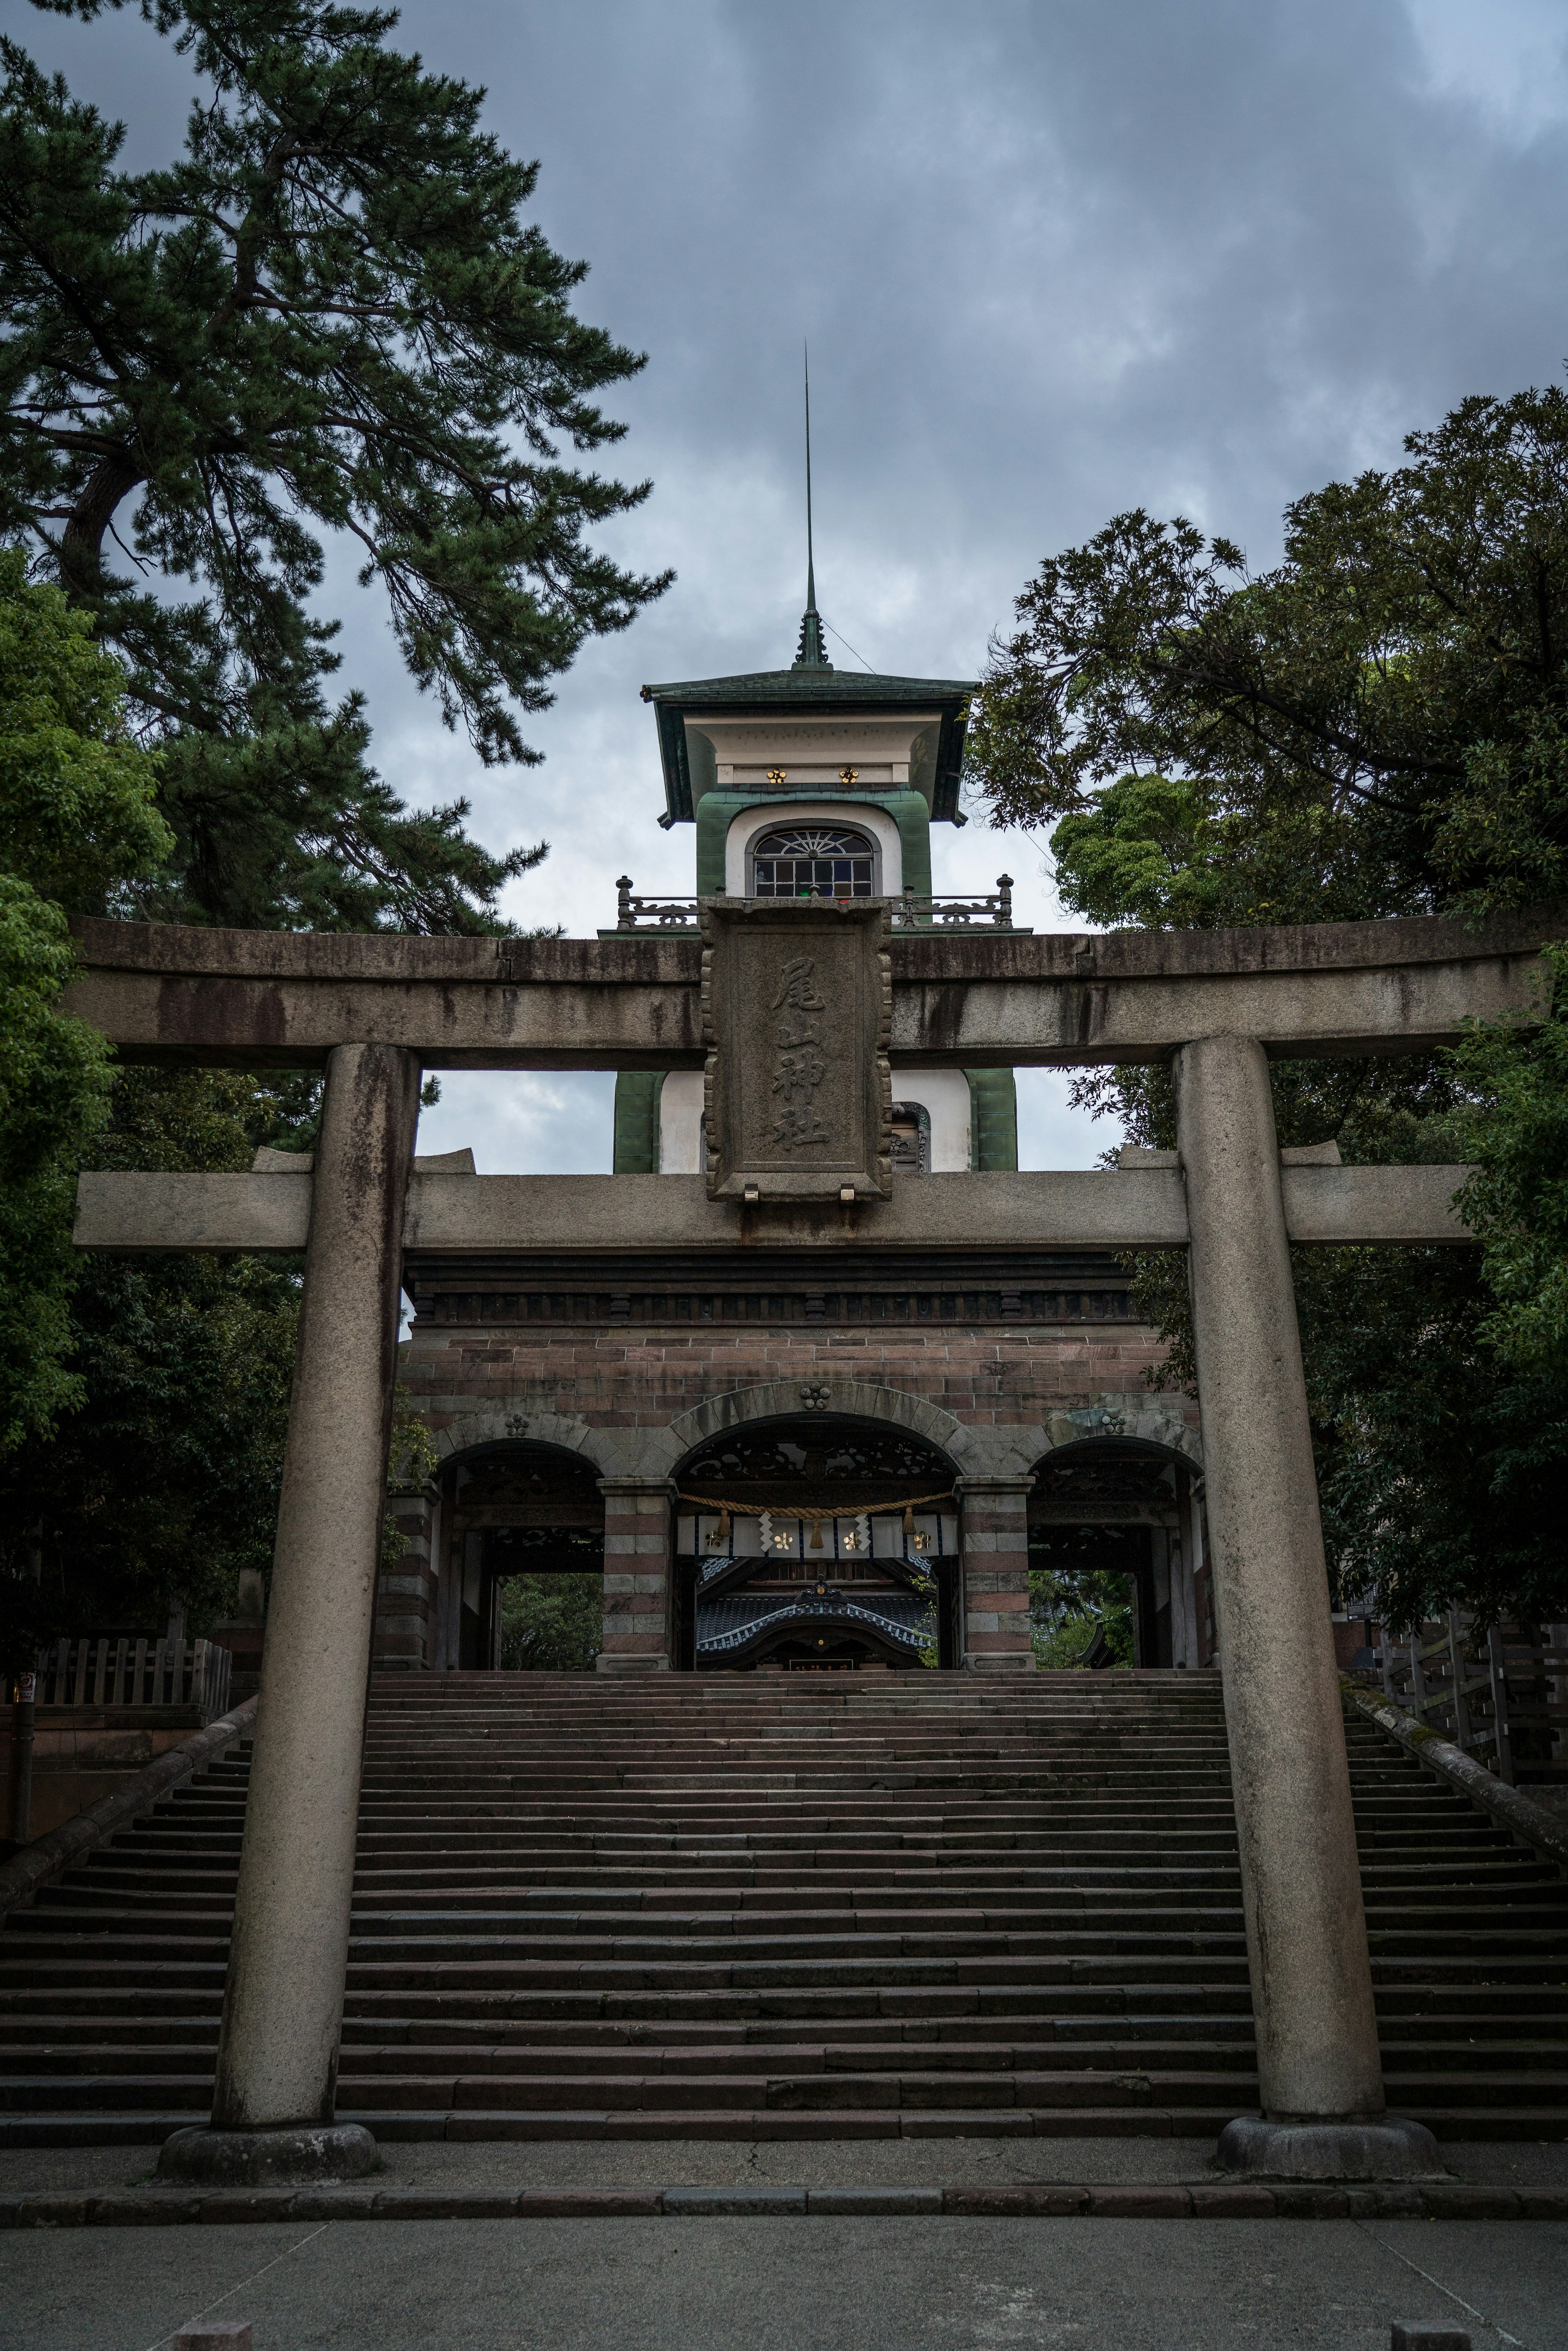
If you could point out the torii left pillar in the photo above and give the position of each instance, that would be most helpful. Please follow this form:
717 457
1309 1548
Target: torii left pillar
277 2054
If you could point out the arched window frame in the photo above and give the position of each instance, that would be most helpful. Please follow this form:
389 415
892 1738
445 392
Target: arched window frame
806 826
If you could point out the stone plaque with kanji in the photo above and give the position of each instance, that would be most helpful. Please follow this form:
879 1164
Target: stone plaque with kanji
797 1009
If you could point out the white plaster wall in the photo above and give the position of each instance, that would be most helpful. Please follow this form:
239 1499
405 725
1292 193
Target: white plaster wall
812 750
745 828
943 1095
681 1123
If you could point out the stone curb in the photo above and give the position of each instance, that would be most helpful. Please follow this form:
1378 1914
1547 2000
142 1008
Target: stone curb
132 2208
40 1862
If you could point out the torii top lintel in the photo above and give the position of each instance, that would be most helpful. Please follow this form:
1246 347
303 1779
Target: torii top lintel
280 998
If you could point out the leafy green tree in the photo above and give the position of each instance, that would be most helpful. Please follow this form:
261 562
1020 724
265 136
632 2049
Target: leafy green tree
1440 1465
1067 1607
1517 1199
328 315
162 1483
1374 728
551 1623
326 318
77 823
53 1074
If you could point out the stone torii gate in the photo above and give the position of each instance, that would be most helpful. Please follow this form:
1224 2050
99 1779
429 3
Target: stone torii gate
374 1012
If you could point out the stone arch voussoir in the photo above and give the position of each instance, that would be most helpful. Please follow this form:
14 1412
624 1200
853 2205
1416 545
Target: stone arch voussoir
1136 1416
468 1432
846 1399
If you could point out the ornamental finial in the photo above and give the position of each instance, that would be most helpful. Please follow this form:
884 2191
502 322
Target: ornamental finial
810 653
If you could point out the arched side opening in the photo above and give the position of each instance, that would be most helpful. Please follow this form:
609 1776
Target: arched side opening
1115 1553
522 1578
816 1544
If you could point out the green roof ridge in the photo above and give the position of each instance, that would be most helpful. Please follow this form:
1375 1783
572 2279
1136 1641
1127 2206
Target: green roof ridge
800 683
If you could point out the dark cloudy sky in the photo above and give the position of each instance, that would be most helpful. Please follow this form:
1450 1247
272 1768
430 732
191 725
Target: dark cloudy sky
1053 260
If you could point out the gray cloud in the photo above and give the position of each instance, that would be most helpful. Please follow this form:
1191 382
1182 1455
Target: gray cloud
1053 260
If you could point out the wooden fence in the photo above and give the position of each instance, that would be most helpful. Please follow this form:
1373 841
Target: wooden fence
1502 1695
126 1670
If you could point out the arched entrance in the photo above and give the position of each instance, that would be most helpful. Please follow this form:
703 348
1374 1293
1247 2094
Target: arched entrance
1115 1538
816 1542
523 1524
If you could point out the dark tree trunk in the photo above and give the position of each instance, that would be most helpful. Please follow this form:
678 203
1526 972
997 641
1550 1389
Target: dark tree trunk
82 543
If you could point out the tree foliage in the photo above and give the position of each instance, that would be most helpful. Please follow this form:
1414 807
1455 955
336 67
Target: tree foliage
77 823
1439 1466
328 316
162 1483
1068 1607
325 323
1376 727
551 1623
1516 1201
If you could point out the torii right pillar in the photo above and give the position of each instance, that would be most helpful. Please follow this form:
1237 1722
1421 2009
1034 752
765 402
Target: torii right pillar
1319 2075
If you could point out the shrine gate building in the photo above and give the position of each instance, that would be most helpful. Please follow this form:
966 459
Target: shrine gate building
838 1458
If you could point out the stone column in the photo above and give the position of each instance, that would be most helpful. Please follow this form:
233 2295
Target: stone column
1320 2076
278 2053
995 1575
636 1576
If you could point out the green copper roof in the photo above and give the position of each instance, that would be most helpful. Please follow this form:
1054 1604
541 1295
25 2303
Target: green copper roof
808 685
770 689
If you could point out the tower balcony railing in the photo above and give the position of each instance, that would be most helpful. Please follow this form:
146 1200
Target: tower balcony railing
914 910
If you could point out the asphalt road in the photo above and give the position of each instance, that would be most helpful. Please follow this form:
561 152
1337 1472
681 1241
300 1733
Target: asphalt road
789 2284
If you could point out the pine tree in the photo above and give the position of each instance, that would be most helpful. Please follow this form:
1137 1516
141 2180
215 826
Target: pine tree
328 316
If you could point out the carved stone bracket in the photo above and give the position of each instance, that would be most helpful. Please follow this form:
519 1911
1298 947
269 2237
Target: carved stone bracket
797 1001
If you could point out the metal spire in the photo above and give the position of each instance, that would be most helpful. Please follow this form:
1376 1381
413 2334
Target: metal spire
812 653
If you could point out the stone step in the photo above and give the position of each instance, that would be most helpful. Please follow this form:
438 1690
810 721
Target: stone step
1415 2071
87 1901
714 1910
1221 2094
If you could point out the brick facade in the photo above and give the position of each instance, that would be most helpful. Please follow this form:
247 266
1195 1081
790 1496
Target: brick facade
632 1401
1010 1375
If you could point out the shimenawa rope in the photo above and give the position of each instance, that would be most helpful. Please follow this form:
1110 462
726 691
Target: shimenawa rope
727 1510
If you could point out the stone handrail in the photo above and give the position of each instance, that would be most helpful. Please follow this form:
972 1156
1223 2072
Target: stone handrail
36 1864
1511 1807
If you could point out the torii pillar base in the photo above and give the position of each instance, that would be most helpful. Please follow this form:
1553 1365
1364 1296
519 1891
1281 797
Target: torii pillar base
1391 2148
315 2152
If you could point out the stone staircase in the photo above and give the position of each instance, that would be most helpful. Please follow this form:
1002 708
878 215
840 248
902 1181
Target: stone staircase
806 1907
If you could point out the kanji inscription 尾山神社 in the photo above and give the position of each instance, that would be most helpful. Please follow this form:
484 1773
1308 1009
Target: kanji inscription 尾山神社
800 1069
797 1009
